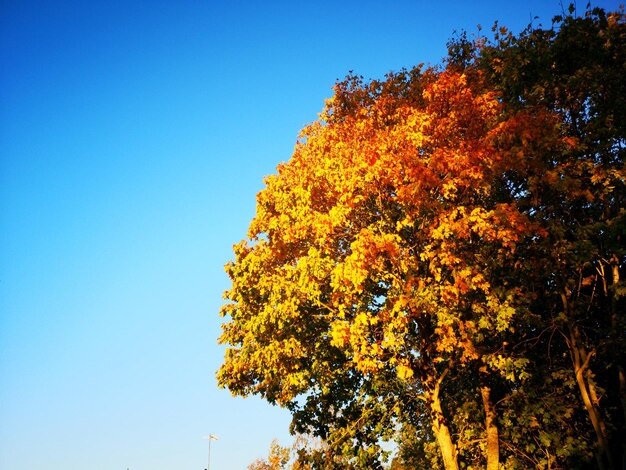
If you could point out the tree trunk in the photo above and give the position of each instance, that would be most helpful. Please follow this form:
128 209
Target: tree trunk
622 393
493 441
440 429
442 433
593 411
617 332
621 376
580 360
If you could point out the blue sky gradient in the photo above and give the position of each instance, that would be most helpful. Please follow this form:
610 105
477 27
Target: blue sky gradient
133 139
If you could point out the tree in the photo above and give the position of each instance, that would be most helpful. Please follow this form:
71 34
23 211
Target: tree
576 70
367 277
305 453
277 459
408 269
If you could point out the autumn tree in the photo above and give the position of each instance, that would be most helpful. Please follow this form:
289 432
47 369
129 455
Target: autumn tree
576 70
368 279
305 453
277 459
437 246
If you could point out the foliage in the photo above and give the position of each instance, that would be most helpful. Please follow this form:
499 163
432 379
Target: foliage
306 453
441 262
277 459
576 69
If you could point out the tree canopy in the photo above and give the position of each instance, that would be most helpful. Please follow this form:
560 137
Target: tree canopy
441 261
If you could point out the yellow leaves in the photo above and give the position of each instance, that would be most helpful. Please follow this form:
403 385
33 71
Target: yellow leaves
447 340
449 189
340 334
504 316
404 372
363 320
366 354
374 241
369 253
412 127
373 340
510 368
495 314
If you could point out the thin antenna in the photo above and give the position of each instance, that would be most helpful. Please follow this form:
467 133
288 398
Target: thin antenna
210 437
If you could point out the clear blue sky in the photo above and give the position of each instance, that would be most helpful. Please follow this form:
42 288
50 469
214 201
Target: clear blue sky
133 139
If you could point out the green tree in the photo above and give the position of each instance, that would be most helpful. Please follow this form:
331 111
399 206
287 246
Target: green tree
576 70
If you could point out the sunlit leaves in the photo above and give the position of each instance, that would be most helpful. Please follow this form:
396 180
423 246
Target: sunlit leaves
371 248
435 243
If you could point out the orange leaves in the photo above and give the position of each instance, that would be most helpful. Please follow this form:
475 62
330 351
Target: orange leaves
404 372
503 225
375 242
459 115
403 251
